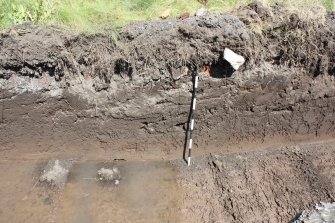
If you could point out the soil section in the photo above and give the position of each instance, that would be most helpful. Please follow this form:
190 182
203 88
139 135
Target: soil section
93 98
77 94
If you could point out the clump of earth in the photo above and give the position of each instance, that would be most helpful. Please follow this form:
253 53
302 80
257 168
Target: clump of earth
56 172
109 175
322 213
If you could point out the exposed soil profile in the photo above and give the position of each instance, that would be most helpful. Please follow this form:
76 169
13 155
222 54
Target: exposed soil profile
95 99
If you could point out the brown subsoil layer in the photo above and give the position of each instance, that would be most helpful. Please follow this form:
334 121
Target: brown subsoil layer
127 96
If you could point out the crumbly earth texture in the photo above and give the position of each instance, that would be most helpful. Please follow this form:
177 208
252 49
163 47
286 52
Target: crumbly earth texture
107 97
272 185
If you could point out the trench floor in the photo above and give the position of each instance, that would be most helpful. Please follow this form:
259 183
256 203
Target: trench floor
147 192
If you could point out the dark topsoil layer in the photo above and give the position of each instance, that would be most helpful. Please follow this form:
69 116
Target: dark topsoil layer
94 96
133 93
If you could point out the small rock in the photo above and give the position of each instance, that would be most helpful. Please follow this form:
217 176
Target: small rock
220 39
165 14
218 165
176 74
56 172
150 128
156 75
48 201
201 12
109 174
184 71
185 15
13 33
233 58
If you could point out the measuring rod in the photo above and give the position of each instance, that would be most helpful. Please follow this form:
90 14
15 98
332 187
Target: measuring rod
191 122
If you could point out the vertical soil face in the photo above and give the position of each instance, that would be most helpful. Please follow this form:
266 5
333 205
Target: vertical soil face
89 97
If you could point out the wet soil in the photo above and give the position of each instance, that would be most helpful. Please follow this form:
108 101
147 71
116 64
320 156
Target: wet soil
147 192
269 185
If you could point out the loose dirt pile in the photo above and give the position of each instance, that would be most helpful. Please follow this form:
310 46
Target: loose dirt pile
109 175
100 97
56 172
323 212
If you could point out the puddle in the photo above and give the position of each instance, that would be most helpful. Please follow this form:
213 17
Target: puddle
147 192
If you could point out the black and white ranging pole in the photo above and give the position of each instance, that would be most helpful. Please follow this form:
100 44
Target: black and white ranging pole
191 124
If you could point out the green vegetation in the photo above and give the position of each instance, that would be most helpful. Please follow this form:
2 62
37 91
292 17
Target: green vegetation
95 15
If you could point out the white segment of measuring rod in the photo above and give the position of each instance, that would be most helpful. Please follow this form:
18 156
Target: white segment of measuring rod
192 124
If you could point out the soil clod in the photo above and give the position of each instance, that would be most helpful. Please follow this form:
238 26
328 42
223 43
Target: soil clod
56 172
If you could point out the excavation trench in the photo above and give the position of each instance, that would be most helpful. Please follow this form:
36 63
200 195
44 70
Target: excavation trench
263 149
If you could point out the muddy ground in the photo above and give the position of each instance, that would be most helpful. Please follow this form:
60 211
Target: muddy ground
267 185
106 97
